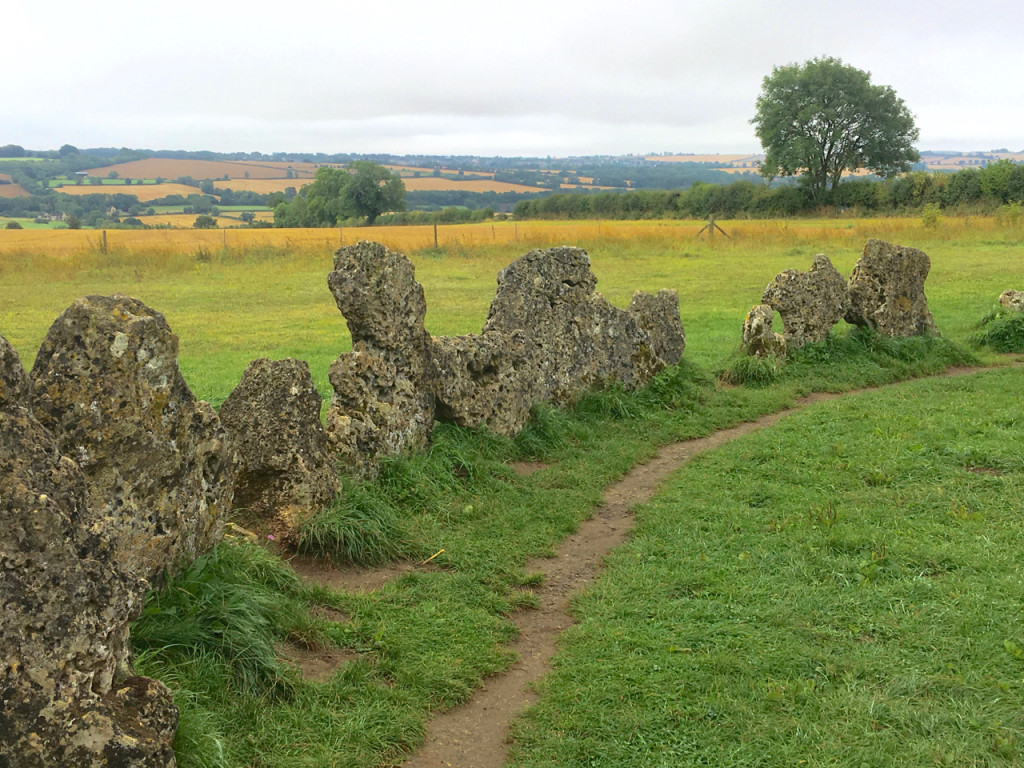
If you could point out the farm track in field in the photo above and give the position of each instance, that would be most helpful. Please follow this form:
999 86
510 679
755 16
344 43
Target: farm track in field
476 734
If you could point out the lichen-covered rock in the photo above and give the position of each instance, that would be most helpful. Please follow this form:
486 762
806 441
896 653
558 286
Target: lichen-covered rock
483 380
658 314
759 340
383 401
158 469
286 470
887 290
1012 300
65 673
15 385
578 339
809 303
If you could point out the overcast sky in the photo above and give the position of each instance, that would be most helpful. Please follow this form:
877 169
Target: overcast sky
526 77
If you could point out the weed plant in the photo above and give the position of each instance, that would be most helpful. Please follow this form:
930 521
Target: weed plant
1002 330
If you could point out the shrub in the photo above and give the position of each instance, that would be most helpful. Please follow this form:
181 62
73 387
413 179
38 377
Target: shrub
1001 330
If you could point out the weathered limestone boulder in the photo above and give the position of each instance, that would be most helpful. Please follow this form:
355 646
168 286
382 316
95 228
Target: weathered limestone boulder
158 469
579 340
759 340
383 401
68 696
484 380
658 314
286 470
887 290
809 303
15 385
1012 300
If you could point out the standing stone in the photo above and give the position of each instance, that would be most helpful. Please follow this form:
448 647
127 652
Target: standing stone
68 696
15 385
887 290
484 380
658 314
759 340
383 401
286 470
809 303
578 339
157 466
1013 300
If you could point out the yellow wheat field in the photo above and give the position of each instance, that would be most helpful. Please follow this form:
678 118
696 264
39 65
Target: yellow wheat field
144 192
823 233
433 183
155 167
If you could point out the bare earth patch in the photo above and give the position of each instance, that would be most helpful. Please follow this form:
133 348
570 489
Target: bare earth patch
316 664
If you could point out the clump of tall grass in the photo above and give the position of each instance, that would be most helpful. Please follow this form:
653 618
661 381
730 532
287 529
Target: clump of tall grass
226 611
748 370
363 526
1002 330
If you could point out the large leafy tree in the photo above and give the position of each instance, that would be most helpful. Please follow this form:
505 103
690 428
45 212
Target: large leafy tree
335 194
822 118
372 190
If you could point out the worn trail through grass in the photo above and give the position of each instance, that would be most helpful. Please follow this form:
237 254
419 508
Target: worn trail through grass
476 734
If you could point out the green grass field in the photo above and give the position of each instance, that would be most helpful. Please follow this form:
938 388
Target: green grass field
831 591
841 589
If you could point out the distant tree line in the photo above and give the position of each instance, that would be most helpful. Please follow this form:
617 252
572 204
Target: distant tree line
972 189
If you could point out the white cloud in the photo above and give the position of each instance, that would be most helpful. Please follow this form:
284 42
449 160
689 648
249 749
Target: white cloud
462 77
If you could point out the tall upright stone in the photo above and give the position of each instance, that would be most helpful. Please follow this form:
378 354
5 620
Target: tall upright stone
579 340
658 314
809 303
68 695
157 465
383 402
887 290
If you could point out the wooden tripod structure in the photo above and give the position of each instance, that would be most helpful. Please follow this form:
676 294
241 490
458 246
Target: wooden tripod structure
711 226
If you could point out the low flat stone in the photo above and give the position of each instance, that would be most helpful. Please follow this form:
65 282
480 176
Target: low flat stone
1012 300
286 470
483 380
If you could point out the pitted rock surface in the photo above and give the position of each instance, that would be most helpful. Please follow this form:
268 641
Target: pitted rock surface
809 303
158 468
15 385
286 470
1012 300
658 314
484 380
383 401
887 290
64 615
579 340
759 340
